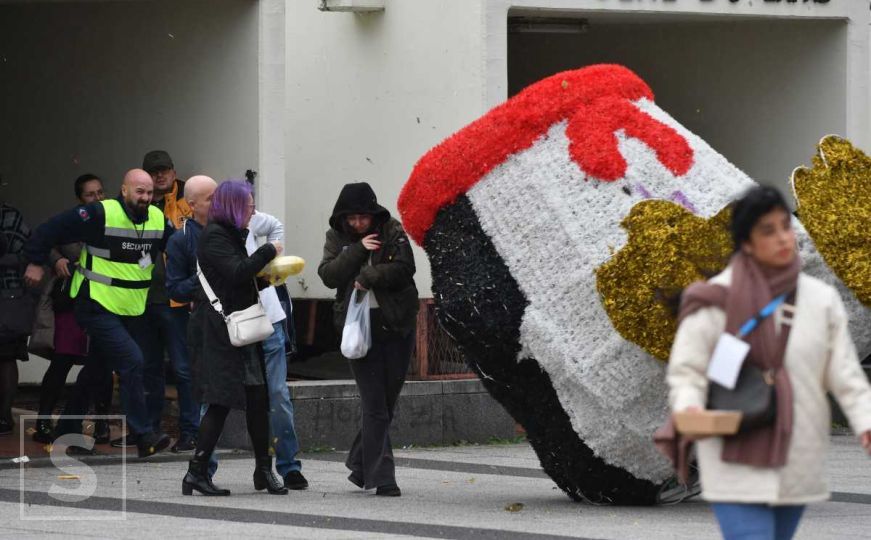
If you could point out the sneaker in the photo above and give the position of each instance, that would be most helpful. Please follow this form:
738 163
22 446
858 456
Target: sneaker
44 431
150 444
388 491
101 432
125 441
185 443
6 427
295 480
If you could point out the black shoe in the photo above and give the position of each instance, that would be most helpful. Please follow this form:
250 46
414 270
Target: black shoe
185 443
101 432
197 478
44 431
295 480
152 443
388 491
124 441
356 479
76 450
265 479
6 427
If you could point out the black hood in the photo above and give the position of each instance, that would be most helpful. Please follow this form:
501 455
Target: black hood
357 198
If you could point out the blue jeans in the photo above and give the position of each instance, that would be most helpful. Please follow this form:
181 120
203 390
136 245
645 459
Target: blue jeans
281 408
165 328
757 521
114 345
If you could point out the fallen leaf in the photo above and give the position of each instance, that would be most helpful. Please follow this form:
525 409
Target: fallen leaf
514 507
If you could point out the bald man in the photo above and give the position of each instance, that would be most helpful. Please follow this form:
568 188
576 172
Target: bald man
122 236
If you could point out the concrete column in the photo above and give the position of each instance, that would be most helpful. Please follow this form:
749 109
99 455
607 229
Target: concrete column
272 111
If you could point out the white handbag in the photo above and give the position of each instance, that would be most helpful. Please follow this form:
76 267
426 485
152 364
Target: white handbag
245 327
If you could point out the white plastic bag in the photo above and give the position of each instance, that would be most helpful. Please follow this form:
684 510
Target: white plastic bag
357 335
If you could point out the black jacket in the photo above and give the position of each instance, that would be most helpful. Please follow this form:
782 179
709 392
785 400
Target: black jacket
231 274
391 273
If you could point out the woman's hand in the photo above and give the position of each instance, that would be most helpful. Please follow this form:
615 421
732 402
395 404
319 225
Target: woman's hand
278 247
359 287
371 243
61 268
865 439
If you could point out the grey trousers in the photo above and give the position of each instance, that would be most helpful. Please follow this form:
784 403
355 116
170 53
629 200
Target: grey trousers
380 376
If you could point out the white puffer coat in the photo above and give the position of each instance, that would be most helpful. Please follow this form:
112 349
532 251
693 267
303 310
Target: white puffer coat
820 357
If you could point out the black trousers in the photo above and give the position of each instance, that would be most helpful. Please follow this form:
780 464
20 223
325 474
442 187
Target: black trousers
379 376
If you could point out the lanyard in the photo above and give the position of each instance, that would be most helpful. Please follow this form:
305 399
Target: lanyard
751 324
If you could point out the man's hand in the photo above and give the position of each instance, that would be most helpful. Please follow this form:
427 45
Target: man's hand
865 439
278 247
371 243
33 275
61 268
359 287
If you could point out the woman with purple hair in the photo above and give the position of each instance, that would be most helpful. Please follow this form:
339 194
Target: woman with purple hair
231 377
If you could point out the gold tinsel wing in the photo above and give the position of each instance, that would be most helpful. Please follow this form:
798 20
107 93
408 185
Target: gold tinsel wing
833 200
668 248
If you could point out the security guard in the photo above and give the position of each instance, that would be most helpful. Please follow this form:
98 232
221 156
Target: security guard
122 237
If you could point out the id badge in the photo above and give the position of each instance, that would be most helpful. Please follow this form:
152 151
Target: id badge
145 260
726 362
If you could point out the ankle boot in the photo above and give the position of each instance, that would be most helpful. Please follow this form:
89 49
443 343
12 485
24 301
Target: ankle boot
101 432
265 479
197 478
44 431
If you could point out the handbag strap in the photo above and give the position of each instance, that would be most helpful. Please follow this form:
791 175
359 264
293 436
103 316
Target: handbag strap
754 321
213 298
210 294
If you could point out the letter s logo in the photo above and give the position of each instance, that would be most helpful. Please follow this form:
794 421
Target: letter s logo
87 477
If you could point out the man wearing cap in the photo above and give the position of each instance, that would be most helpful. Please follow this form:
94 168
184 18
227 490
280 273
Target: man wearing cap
123 237
167 321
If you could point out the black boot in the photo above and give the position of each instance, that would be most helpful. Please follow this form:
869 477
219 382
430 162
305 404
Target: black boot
197 478
101 432
265 479
44 431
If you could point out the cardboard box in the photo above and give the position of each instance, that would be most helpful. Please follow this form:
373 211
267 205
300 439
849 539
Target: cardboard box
707 422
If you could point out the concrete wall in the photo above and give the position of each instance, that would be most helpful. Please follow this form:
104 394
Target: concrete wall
761 93
367 96
92 86
327 415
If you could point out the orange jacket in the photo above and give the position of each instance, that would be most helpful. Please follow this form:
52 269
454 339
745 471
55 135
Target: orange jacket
175 208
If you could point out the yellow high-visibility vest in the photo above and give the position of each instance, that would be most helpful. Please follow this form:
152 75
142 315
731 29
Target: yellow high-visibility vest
118 278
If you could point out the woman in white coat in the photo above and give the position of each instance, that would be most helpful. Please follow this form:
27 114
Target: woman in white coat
758 481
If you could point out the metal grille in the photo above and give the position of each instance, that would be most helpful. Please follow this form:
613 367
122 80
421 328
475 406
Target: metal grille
436 356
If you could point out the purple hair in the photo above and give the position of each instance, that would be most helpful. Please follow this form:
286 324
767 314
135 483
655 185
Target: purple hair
230 203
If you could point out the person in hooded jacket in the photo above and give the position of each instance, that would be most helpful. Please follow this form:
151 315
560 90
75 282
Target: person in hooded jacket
367 250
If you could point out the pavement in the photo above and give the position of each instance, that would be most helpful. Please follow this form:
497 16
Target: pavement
463 492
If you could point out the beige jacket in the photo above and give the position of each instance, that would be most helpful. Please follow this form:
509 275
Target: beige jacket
820 357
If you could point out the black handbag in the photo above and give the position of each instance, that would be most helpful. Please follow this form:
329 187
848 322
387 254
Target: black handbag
754 396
